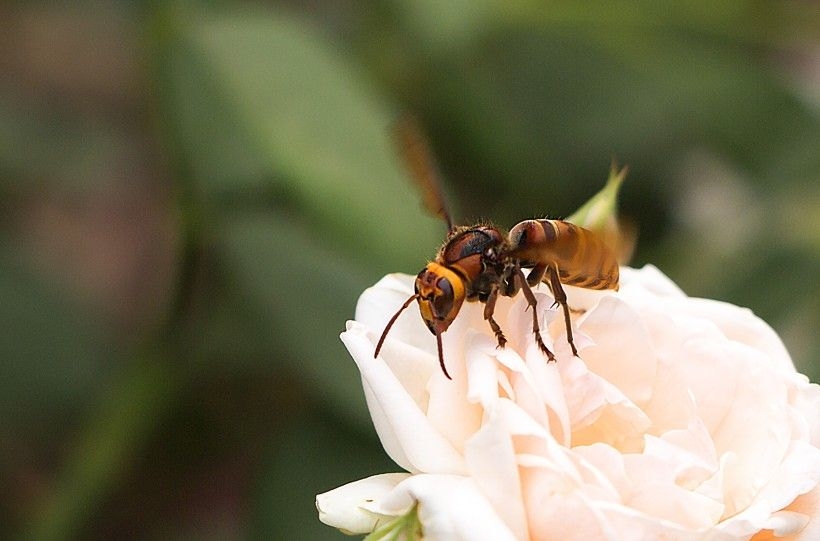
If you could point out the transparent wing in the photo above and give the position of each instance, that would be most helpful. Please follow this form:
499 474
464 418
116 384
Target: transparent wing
417 157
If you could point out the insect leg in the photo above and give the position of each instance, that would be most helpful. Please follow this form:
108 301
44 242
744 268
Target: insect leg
561 298
536 274
489 308
518 276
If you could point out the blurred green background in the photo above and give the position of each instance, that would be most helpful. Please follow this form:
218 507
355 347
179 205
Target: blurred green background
195 193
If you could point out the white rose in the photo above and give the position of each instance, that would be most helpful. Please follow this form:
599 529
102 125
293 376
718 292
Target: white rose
681 418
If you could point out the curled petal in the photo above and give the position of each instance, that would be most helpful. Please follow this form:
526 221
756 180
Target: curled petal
807 507
450 507
492 464
348 507
407 434
798 475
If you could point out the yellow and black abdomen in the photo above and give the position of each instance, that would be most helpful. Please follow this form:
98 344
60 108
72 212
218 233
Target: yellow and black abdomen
581 256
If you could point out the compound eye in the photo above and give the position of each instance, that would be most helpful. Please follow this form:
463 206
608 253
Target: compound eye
443 302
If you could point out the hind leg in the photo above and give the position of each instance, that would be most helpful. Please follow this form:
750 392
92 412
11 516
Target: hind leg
561 298
521 282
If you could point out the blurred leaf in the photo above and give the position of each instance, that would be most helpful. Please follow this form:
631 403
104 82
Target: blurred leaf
743 20
266 112
117 431
45 147
794 169
441 27
314 456
304 293
542 108
796 216
52 350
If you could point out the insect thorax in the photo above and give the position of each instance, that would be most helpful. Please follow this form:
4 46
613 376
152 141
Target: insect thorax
470 241
477 253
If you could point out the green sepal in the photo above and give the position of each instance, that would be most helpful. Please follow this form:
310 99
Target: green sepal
406 527
600 214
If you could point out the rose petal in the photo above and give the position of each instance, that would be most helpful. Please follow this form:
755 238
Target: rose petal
540 393
517 317
630 523
651 281
449 411
740 325
655 491
606 461
482 374
783 523
491 461
740 429
347 507
805 398
599 411
557 507
618 327
450 508
807 505
798 474
404 430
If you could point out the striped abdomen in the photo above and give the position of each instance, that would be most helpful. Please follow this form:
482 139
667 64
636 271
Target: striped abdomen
582 258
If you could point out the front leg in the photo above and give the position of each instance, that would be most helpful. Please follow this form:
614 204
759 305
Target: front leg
489 309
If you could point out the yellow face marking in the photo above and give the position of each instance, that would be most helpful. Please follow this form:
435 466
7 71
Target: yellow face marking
426 309
438 303
455 280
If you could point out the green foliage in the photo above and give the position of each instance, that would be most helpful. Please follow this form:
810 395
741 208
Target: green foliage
266 113
233 183
297 468
304 312
52 350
